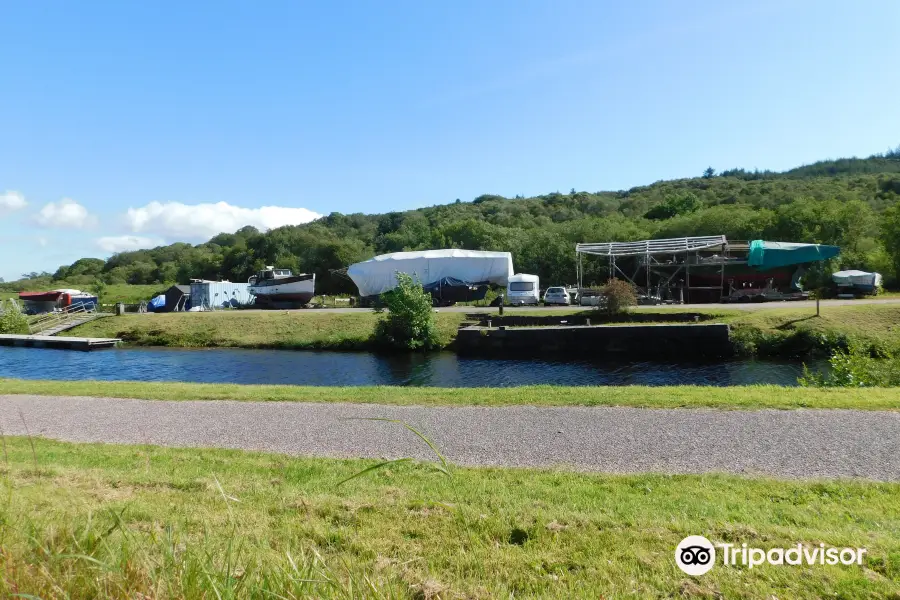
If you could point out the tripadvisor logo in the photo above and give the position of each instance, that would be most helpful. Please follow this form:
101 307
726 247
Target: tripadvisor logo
696 555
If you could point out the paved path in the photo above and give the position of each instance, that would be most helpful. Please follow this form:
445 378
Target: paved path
794 444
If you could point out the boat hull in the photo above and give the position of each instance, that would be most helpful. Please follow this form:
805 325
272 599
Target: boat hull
299 289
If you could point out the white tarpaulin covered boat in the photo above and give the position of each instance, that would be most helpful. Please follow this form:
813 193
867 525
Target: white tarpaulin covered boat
858 280
436 270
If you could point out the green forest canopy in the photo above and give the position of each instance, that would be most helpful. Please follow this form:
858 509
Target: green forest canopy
852 203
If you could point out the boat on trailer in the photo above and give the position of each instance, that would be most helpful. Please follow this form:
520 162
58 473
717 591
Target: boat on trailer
280 288
705 269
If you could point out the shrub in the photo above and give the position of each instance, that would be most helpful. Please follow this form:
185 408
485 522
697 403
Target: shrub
855 367
409 324
680 203
99 289
11 319
619 296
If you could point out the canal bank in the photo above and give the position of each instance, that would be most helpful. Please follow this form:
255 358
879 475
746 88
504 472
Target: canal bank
748 397
775 331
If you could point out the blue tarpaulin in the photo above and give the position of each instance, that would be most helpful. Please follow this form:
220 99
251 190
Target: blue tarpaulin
769 255
157 303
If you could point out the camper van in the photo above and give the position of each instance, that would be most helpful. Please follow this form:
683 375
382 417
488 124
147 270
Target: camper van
523 289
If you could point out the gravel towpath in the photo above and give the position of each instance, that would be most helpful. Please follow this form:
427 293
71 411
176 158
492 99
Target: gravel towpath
791 444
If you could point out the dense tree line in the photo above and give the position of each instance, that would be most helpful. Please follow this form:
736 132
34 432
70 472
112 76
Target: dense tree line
852 203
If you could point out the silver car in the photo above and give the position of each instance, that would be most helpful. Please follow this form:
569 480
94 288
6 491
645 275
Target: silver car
556 295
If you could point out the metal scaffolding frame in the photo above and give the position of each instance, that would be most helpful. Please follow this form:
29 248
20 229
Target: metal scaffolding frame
651 257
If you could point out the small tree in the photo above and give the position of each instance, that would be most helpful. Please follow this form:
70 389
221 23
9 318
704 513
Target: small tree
619 296
709 173
817 279
11 318
409 323
99 288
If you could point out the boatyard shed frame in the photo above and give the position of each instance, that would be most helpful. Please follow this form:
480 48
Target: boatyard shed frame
665 259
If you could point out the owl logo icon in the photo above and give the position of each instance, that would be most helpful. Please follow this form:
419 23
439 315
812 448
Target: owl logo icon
695 555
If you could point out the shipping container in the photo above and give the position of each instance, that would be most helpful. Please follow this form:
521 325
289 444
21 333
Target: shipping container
213 295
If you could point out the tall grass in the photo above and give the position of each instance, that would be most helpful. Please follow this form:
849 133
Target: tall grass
90 553
98 556
108 521
95 556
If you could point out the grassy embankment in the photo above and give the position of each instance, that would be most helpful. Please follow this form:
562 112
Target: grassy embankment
780 330
743 397
89 521
792 331
304 329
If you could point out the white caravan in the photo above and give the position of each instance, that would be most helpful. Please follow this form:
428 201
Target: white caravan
523 289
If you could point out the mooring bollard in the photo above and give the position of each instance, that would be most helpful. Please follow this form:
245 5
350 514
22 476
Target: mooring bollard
120 309
489 322
588 322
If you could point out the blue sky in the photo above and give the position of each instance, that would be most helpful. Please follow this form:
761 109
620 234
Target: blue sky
126 124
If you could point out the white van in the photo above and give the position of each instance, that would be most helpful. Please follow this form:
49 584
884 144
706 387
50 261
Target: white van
523 289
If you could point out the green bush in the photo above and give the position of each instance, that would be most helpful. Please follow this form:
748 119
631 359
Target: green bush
409 323
11 319
855 367
619 296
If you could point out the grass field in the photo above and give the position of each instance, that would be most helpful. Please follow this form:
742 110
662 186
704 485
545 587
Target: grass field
91 521
117 292
745 398
769 331
877 324
251 329
131 294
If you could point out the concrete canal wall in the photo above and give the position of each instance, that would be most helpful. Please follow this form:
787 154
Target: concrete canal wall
586 341
586 318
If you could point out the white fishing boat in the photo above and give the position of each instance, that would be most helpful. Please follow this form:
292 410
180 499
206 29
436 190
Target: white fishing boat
273 285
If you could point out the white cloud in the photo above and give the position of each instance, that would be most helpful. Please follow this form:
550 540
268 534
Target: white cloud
11 201
124 243
202 221
65 214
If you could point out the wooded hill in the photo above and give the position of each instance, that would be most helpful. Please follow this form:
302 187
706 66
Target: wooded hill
852 203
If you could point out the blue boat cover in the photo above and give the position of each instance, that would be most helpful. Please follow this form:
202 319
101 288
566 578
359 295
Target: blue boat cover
157 303
768 255
447 282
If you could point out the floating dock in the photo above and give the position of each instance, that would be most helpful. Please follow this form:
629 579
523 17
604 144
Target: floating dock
585 341
57 341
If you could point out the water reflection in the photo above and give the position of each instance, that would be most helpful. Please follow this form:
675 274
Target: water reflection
354 369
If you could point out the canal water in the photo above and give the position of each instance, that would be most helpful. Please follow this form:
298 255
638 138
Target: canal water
360 368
